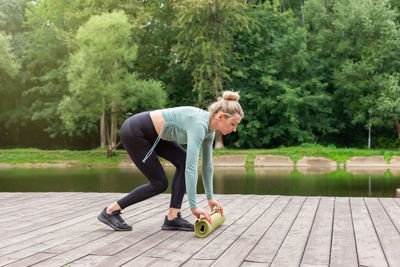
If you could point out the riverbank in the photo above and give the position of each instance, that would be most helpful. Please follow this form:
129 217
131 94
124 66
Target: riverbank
301 156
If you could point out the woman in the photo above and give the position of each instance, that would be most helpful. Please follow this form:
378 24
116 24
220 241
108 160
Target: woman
161 131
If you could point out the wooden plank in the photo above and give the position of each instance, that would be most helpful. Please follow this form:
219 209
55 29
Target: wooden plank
343 251
32 206
41 214
38 244
143 261
313 265
253 264
198 263
368 247
95 208
243 215
221 243
318 246
5 196
137 249
233 210
20 197
393 211
238 251
151 222
131 238
61 241
29 236
148 237
35 258
50 218
292 249
388 234
271 241
28 239
145 245
89 260
28 206
361 232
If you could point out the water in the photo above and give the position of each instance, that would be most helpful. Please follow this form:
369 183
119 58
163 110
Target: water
271 181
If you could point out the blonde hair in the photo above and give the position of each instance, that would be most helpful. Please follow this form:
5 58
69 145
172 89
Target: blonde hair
227 104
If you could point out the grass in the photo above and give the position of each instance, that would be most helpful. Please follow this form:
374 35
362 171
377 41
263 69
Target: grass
76 157
98 156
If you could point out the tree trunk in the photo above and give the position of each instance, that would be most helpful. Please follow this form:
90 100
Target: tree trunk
102 130
397 128
219 143
108 138
113 125
111 132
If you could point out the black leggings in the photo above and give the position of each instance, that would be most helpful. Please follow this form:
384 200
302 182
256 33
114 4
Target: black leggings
138 135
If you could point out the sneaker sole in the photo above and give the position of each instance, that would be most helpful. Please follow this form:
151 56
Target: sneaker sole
172 228
103 220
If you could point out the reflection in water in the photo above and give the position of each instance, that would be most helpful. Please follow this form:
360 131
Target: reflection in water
273 171
379 171
316 170
369 186
233 180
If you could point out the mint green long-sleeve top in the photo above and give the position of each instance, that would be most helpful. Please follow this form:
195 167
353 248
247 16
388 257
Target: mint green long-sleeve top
190 125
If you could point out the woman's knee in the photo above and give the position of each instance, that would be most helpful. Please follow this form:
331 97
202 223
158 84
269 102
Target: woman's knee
180 161
161 185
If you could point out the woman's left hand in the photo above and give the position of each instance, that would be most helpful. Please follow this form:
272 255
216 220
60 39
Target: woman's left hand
213 203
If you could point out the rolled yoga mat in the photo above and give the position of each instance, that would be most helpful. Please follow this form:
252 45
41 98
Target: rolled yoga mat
203 228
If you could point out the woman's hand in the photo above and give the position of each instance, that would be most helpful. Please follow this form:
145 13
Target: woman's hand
213 203
199 211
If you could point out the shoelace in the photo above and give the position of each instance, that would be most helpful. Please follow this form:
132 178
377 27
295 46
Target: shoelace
119 217
183 220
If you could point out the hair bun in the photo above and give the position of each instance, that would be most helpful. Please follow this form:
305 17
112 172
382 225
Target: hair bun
229 95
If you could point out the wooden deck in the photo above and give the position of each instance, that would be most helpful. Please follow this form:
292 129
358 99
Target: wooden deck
59 229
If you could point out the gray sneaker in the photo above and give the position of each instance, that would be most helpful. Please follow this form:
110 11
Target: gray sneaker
177 223
114 220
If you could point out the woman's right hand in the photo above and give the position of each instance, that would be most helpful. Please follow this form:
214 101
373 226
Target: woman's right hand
199 211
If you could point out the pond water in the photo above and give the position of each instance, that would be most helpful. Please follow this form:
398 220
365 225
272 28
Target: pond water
268 181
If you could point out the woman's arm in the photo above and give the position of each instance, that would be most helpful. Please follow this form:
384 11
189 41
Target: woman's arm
195 136
207 165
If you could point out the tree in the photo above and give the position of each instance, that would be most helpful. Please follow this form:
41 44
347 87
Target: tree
204 44
367 50
9 69
11 74
284 99
50 30
156 36
8 64
355 43
388 103
100 84
12 15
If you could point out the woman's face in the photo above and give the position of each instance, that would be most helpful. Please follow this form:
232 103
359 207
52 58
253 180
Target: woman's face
228 124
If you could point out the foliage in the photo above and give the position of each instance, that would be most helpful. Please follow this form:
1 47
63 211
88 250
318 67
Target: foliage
204 41
98 75
388 103
8 65
285 102
367 40
155 35
312 71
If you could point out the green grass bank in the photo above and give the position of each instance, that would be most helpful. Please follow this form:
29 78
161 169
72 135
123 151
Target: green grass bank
98 156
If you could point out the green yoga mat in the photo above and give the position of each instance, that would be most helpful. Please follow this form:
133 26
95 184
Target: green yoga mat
203 228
